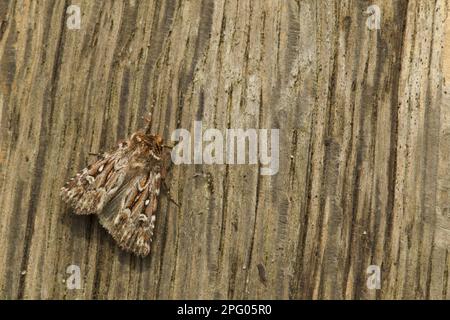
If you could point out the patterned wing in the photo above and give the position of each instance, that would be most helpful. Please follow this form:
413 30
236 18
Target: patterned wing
130 216
90 190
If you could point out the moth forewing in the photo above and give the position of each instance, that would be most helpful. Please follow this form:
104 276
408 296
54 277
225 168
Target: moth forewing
122 188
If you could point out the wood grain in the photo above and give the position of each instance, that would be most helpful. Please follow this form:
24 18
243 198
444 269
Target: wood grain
364 125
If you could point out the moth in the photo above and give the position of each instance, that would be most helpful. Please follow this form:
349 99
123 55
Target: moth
122 188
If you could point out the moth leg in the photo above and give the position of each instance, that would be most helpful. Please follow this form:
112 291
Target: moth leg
169 195
166 164
165 168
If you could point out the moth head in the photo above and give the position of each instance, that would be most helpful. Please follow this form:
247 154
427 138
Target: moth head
156 144
148 146
141 138
158 139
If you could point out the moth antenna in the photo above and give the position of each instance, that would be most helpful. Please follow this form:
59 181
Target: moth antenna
167 146
148 120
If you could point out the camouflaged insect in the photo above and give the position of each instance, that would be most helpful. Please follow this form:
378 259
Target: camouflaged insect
122 189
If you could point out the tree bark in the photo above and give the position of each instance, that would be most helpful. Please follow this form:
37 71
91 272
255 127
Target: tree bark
364 175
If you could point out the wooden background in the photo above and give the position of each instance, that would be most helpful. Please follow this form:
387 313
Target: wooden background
364 119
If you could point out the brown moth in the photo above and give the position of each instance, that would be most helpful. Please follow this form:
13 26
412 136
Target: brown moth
122 189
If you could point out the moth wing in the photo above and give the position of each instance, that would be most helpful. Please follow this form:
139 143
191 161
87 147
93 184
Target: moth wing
90 190
130 216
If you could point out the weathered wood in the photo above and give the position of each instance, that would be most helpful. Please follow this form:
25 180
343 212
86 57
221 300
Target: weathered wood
364 173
